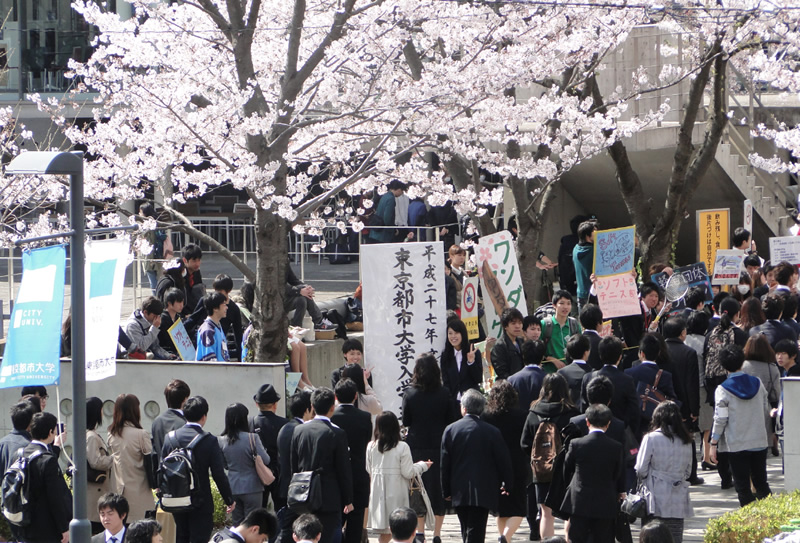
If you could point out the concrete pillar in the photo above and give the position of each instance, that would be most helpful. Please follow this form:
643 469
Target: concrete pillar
791 433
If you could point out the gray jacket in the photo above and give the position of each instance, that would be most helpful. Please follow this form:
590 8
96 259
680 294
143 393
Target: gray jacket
239 462
770 377
740 424
145 336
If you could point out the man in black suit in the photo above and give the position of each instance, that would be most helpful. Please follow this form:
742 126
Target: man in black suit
578 347
176 393
300 409
21 416
599 391
592 322
267 424
475 466
113 509
647 371
321 445
528 380
48 494
774 329
195 526
593 466
258 526
624 402
357 424
686 378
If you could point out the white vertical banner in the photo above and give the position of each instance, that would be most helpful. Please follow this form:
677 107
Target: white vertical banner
106 261
404 312
500 277
748 216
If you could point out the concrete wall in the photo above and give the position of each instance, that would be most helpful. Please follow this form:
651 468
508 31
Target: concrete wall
791 433
219 383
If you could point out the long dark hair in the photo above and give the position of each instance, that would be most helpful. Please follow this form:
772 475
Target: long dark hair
235 422
457 326
667 418
126 409
387 431
175 272
728 309
555 389
356 373
502 398
427 375
94 412
752 314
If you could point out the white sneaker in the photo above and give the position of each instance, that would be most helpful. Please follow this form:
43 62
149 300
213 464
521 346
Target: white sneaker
324 325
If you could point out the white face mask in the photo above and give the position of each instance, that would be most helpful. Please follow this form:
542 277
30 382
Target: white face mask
743 289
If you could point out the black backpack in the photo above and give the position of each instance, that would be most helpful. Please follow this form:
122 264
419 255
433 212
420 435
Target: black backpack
16 490
177 478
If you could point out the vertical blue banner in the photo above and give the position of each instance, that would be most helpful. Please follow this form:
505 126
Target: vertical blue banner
34 333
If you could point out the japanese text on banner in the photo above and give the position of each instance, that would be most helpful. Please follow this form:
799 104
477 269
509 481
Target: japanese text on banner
617 295
502 283
713 234
614 250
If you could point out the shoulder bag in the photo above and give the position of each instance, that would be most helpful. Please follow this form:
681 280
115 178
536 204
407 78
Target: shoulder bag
305 492
264 473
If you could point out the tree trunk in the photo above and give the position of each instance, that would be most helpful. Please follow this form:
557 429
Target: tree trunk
531 213
464 174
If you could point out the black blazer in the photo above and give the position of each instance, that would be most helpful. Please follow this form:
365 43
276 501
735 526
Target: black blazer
528 383
616 429
285 455
594 467
357 425
775 331
470 376
169 420
574 374
474 463
646 373
319 445
267 425
101 537
686 376
624 402
506 357
207 456
52 512
594 352
426 415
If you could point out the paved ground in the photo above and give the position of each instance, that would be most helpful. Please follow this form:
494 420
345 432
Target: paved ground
709 501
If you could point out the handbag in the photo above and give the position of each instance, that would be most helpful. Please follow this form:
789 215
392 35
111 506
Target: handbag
635 504
95 476
264 473
151 462
415 499
305 492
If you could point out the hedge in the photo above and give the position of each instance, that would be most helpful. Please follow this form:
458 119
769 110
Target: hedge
756 521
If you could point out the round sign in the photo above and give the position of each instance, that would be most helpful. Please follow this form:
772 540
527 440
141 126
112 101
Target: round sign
469 298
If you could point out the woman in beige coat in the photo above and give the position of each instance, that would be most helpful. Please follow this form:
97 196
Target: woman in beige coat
129 443
98 458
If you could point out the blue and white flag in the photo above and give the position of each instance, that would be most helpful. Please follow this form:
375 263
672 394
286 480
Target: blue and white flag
34 335
106 261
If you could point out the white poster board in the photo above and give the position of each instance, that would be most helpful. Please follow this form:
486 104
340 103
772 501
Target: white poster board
501 279
469 306
182 341
784 248
727 267
404 312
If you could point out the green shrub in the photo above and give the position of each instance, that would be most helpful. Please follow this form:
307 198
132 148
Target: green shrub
753 522
219 507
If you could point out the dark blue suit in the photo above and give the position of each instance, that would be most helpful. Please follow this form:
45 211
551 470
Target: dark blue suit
528 383
646 373
775 331
624 402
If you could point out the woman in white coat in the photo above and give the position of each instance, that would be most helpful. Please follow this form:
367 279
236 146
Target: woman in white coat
663 465
98 458
391 468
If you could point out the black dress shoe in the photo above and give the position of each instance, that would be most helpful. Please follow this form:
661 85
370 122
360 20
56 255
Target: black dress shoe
708 466
437 539
697 481
727 484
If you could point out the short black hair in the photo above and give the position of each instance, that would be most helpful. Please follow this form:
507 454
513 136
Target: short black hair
695 296
153 305
266 521
213 300
610 349
600 390
674 327
650 347
787 346
789 306
648 287
740 235
142 531
772 305
307 527
222 282
716 302
591 316
195 409
510 315
299 403
530 320
402 523
598 415
36 390
784 272
586 228
42 424
148 210
94 412
731 357
697 323
192 252
533 352
115 502
561 295
174 295
352 345
395 184
346 390
577 346
21 415
176 392
752 260
322 399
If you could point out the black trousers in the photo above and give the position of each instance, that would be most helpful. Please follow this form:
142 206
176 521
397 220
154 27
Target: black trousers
594 530
194 526
747 466
354 526
286 518
532 513
473 523
331 527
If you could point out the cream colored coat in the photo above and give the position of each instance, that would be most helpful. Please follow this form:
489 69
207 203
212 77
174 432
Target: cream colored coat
390 473
98 457
130 479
